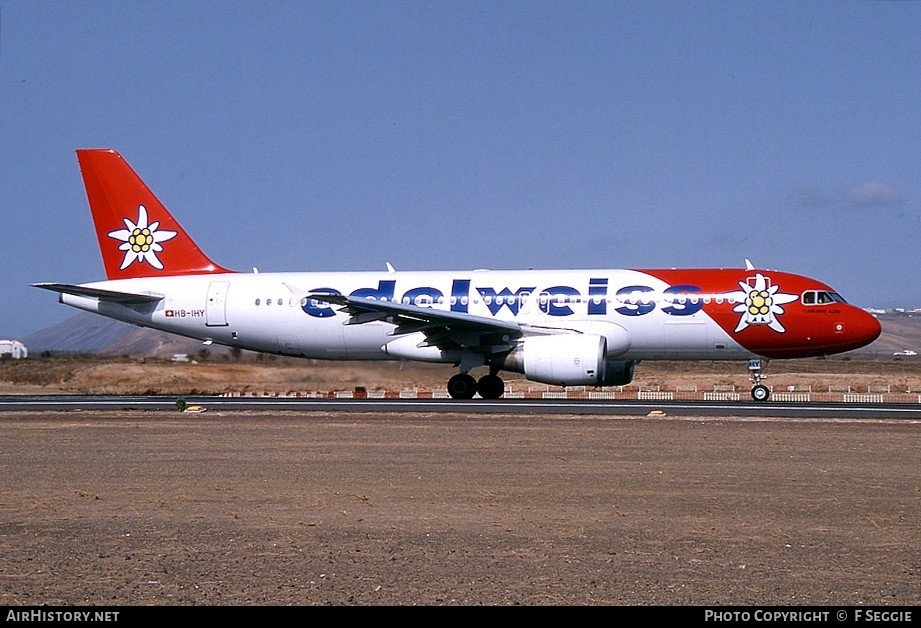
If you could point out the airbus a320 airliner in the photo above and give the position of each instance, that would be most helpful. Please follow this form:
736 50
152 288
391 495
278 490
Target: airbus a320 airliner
562 327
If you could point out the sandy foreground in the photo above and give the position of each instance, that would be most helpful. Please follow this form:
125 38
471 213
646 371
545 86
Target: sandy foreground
317 508
439 509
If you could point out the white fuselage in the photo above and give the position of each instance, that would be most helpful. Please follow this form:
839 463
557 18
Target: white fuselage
271 312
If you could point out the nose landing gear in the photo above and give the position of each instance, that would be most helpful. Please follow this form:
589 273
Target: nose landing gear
760 392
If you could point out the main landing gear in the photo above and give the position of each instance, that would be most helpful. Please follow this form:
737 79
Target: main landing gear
760 392
465 386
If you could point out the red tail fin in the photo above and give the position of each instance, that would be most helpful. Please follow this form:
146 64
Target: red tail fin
137 235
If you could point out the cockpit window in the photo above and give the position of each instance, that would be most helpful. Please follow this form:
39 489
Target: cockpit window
819 297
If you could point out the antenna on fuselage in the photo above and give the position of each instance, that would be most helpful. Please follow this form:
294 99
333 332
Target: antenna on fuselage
748 264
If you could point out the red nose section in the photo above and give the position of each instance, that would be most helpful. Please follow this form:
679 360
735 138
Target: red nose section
825 334
863 328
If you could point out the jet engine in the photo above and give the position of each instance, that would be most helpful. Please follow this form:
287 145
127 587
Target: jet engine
568 360
618 372
413 347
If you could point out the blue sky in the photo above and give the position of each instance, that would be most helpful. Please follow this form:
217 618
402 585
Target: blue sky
456 135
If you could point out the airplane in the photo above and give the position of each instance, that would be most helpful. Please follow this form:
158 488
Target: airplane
561 327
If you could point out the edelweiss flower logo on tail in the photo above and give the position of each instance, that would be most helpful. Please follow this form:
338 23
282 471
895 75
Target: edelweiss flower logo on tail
760 304
141 241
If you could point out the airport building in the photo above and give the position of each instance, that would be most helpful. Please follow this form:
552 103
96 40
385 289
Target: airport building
13 349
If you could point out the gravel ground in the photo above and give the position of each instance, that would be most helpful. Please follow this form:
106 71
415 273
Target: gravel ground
152 508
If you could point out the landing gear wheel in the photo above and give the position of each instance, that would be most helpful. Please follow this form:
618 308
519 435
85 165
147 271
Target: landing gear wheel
761 393
490 387
462 386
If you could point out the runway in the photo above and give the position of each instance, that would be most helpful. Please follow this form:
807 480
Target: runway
877 411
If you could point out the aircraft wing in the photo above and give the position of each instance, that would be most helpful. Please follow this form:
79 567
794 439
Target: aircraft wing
124 298
443 329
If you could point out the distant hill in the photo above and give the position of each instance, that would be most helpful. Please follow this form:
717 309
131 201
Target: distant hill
900 331
83 333
90 333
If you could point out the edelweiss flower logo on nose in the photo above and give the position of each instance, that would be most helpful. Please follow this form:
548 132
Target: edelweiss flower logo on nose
141 241
760 304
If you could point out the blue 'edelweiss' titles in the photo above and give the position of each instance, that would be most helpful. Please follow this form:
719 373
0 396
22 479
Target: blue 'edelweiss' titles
682 300
759 304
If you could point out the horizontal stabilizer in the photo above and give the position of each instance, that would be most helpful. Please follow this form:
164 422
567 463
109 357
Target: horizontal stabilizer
125 298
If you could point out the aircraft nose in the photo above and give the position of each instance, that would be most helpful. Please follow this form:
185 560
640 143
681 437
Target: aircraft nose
863 327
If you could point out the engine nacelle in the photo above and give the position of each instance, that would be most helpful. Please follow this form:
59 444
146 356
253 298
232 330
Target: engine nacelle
413 347
618 372
617 337
568 360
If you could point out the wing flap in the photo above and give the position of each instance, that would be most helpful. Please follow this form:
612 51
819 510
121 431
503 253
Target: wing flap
400 313
441 328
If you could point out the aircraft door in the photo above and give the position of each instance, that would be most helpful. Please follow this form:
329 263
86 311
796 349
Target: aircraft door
216 306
